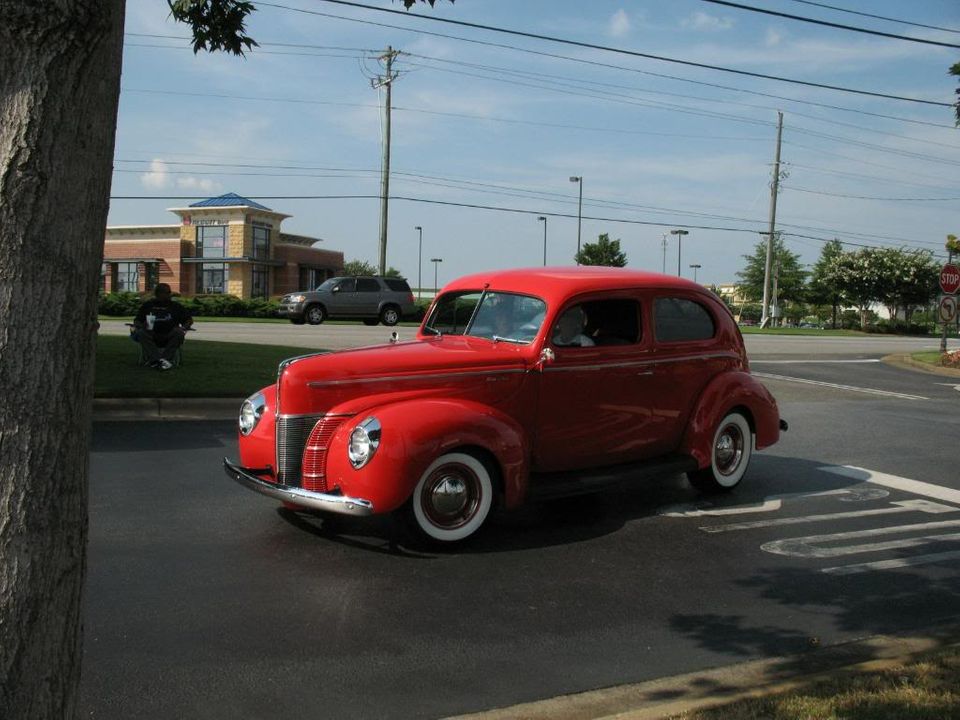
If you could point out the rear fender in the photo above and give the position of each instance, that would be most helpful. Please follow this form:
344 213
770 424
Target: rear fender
725 393
417 431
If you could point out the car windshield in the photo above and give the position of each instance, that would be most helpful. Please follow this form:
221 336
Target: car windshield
328 284
498 316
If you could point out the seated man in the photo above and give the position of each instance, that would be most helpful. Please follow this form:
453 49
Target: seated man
160 327
568 332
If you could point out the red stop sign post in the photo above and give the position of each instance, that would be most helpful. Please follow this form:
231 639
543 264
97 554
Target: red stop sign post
949 279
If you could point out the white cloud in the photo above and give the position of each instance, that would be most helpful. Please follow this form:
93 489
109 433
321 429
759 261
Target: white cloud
705 21
773 38
619 24
157 178
192 183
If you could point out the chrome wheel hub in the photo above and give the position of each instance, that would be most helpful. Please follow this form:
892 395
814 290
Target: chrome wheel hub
451 496
728 450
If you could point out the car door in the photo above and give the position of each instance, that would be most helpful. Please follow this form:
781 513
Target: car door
687 357
592 404
368 296
344 303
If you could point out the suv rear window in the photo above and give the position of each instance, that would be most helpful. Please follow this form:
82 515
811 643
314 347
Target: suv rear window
367 285
678 319
397 284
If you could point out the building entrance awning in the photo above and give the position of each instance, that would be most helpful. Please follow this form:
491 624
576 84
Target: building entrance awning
218 260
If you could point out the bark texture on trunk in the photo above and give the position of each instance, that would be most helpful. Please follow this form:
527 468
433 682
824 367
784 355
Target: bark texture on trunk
59 87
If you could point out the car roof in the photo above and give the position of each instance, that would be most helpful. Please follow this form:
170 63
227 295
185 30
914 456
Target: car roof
555 284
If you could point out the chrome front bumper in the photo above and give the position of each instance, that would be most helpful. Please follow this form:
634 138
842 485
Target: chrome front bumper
298 496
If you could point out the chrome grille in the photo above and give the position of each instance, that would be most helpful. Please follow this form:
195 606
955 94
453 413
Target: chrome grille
315 454
292 434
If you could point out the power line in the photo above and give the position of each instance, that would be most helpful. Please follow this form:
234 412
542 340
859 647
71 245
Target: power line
872 197
877 17
620 51
825 23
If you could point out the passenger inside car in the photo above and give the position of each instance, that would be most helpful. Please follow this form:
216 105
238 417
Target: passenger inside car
568 332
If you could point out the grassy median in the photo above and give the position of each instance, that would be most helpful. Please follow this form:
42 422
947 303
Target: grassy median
928 689
209 369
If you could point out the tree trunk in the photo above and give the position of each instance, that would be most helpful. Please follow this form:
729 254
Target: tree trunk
59 87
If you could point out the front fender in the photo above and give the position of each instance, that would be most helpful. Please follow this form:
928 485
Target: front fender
414 433
724 393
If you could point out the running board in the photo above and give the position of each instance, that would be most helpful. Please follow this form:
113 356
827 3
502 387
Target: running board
545 486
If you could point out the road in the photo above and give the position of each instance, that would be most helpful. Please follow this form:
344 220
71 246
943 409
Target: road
205 601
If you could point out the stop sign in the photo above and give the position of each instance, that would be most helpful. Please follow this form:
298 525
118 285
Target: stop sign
950 279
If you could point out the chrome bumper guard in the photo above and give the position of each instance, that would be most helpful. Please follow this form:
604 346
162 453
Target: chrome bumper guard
313 500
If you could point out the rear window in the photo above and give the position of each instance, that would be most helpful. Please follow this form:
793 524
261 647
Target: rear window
397 284
679 319
367 285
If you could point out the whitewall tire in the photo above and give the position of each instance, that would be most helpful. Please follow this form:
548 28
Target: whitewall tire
730 454
452 498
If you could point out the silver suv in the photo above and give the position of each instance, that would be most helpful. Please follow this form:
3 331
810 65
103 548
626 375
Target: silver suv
372 299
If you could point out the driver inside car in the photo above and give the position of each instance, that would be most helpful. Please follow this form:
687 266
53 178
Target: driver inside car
568 331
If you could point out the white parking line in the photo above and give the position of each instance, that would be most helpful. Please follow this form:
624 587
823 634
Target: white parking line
893 564
924 506
771 503
851 388
807 547
915 487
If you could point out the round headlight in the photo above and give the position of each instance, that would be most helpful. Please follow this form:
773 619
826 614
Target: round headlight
250 413
364 441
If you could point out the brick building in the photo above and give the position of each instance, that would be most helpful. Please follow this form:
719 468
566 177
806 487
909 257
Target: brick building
227 244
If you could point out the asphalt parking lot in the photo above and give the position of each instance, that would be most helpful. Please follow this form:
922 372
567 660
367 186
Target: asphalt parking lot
206 601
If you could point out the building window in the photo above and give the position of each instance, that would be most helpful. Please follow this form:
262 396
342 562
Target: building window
311 278
261 243
104 269
261 281
152 276
128 277
212 279
211 241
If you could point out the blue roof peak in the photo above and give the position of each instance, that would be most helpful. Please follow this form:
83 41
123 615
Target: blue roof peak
229 200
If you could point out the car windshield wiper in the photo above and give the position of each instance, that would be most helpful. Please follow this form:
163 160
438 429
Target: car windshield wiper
499 338
429 329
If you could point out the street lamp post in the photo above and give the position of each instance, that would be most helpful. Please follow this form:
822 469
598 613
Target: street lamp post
544 219
419 262
664 266
579 180
679 234
435 261
695 266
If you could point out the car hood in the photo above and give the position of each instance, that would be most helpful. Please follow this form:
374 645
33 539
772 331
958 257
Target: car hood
451 365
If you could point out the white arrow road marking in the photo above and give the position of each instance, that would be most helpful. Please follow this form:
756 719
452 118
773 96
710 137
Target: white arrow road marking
806 547
771 503
924 506
955 387
893 564
851 388
914 487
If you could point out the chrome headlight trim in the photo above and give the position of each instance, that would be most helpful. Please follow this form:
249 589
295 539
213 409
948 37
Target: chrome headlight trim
250 413
364 441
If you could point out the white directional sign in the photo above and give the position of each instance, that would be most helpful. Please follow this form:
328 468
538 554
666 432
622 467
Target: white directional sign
948 308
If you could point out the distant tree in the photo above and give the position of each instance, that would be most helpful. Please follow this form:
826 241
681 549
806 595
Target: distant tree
791 278
953 244
824 286
909 280
392 272
353 268
860 276
603 252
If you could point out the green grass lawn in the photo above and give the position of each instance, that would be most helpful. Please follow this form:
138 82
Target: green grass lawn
751 330
210 369
925 690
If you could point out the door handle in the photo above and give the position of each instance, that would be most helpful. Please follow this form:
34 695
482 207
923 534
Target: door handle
644 372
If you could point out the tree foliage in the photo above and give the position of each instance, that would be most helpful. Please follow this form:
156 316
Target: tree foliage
353 268
603 252
824 286
791 277
955 70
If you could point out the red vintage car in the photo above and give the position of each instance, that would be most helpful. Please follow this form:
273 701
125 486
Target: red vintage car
520 384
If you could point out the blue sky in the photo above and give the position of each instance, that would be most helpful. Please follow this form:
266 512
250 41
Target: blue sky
482 125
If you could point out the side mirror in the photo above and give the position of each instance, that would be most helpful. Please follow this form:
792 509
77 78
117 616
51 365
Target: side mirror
547 356
336 289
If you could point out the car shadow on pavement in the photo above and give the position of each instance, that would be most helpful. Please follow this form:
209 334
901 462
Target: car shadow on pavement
576 519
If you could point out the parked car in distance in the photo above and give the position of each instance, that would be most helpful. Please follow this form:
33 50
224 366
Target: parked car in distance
520 384
371 299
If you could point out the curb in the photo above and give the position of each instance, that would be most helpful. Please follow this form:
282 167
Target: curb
165 408
908 363
664 697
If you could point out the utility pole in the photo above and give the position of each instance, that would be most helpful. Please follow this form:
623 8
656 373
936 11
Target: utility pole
774 189
419 262
663 269
385 80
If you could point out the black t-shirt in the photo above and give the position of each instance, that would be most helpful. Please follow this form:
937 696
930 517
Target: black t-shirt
167 314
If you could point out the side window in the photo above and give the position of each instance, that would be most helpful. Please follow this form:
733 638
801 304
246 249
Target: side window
598 322
346 285
678 320
397 284
367 285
